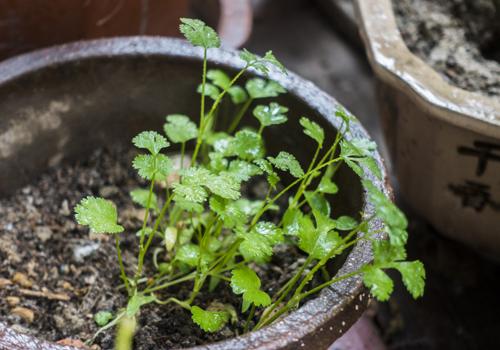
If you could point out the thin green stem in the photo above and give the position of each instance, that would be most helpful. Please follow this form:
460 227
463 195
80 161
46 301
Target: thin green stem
183 152
122 268
155 228
239 116
305 181
210 114
249 318
286 189
203 84
292 303
188 277
183 304
328 283
202 106
285 290
198 284
143 233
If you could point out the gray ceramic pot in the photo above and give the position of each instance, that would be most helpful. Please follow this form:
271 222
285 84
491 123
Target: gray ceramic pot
444 141
63 102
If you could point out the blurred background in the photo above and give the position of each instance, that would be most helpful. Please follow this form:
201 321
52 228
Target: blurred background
319 40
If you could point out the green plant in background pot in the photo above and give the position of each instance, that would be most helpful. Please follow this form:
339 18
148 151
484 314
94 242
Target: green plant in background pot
204 232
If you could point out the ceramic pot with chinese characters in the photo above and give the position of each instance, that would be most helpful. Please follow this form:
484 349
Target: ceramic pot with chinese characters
444 141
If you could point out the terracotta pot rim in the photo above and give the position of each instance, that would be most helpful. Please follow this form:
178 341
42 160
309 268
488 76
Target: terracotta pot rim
396 65
335 306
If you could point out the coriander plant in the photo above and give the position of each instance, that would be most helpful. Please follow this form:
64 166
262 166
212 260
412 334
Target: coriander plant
198 230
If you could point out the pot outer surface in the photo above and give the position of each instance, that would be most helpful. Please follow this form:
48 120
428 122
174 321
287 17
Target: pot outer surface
444 142
61 103
29 25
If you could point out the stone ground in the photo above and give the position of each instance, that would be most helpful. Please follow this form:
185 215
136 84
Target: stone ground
461 306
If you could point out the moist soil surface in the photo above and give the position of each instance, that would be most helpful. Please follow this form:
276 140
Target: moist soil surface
54 275
458 38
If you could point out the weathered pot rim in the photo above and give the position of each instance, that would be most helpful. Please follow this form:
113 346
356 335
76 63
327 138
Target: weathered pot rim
393 62
317 315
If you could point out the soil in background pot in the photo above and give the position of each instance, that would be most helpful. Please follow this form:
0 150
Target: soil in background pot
458 38
54 277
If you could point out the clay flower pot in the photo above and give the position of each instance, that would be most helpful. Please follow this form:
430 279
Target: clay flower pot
28 25
63 102
444 141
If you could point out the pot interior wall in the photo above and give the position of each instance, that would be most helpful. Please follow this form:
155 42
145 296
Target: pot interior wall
63 112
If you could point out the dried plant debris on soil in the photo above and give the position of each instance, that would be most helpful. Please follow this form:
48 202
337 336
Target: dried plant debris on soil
54 277
459 38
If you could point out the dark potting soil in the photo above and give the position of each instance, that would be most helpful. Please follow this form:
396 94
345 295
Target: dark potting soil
54 276
458 38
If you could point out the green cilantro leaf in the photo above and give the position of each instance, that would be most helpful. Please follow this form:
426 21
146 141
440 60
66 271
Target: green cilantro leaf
230 213
219 78
273 114
257 297
342 114
318 241
250 208
313 130
413 274
388 255
394 219
224 185
98 214
269 230
385 253
260 88
149 167
198 33
287 162
170 237
327 186
245 281
102 318
248 57
247 145
270 58
255 248
189 193
379 283
179 128
188 206
258 244
218 162
140 196
222 80
266 166
243 171
238 94
210 90
209 321
261 63
346 223
291 221
318 203
195 175
189 254
150 140
358 152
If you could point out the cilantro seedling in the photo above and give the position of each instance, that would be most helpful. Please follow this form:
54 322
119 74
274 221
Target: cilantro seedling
201 232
